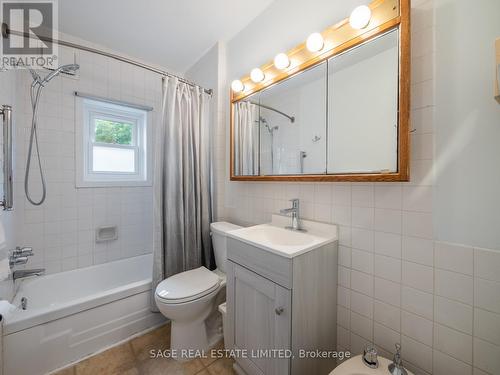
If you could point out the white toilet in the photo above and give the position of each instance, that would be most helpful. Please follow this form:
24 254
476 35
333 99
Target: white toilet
187 298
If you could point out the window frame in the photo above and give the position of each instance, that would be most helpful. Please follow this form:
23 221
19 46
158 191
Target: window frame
92 109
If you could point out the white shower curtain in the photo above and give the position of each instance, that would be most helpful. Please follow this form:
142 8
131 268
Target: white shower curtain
246 135
182 196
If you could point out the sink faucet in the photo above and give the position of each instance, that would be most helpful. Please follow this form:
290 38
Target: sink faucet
21 274
295 211
396 367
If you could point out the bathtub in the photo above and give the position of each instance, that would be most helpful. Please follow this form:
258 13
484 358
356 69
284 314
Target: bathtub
73 314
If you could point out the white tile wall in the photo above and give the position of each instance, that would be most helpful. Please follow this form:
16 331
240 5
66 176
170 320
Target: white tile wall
7 97
62 230
396 283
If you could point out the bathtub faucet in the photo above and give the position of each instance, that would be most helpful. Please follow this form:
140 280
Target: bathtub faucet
21 274
20 256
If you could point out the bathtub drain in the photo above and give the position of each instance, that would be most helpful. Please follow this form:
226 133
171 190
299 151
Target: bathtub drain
24 303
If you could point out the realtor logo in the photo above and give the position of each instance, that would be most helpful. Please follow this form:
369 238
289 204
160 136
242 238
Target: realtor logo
28 29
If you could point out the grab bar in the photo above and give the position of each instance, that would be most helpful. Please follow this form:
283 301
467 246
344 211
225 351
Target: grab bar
8 199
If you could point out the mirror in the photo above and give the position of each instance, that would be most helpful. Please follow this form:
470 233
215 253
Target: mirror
337 115
363 108
282 130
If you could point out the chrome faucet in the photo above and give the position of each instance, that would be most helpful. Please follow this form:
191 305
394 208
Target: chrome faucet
295 211
396 367
21 274
20 256
370 356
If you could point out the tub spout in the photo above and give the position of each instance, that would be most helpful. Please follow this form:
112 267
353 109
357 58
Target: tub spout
20 274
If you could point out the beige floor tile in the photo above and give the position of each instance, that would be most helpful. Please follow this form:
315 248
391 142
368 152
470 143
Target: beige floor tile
223 366
211 358
66 371
117 360
131 371
164 366
158 339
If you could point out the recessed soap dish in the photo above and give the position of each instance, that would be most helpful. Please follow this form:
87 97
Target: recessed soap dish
106 233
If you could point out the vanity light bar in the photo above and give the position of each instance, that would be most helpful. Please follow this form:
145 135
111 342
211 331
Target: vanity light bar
364 22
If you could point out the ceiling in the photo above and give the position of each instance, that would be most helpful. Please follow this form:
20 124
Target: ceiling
173 34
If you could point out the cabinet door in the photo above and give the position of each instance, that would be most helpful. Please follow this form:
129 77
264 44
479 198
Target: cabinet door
260 320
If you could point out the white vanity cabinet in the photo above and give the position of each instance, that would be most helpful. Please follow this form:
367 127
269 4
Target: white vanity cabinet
262 319
279 303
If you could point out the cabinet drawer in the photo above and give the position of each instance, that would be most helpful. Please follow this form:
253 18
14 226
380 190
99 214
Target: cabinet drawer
265 263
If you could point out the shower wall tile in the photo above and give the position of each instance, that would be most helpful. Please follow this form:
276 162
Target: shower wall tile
8 90
62 230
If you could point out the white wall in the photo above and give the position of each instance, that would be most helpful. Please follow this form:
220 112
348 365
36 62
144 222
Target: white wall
467 123
397 282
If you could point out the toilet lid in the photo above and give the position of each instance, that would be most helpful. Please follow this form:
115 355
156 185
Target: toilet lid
187 286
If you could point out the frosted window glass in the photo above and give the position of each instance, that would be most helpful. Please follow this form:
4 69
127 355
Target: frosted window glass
113 159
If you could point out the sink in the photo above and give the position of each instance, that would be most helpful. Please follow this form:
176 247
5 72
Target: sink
355 366
285 242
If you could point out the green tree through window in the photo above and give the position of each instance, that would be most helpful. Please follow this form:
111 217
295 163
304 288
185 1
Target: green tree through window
113 132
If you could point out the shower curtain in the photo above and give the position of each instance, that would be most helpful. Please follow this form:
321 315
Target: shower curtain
182 196
246 135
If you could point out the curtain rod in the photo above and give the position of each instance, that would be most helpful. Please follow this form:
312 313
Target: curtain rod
6 31
291 118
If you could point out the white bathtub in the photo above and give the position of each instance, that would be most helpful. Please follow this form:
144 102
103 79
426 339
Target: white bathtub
73 314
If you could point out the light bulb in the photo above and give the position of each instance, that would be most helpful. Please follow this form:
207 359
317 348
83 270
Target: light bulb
281 61
257 75
315 42
360 17
237 86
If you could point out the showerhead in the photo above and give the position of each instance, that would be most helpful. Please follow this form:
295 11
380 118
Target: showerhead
35 75
68 69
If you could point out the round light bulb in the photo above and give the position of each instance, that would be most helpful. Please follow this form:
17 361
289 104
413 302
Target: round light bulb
257 75
360 17
315 42
281 61
237 86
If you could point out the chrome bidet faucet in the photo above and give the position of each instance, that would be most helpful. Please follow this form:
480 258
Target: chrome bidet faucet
370 356
295 211
396 367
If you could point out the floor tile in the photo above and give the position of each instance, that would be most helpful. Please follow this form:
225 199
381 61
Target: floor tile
66 371
223 366
116 360
166 366
158 339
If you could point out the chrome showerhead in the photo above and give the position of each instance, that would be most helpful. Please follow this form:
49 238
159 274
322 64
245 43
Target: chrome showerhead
68 69
35 75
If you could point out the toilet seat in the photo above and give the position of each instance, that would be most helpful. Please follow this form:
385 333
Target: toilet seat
187 286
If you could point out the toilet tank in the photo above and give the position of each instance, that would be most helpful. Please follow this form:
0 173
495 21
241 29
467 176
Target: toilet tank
218 231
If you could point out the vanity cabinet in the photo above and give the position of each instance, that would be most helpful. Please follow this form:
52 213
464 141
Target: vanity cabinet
262 319
281 302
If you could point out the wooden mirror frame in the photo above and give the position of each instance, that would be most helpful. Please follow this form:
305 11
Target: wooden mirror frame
386 15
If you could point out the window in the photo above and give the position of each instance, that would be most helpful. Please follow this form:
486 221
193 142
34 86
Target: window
115 148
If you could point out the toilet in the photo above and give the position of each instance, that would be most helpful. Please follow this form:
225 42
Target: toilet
188 298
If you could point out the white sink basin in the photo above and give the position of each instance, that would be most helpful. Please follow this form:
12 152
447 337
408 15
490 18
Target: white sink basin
355 366
275 238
